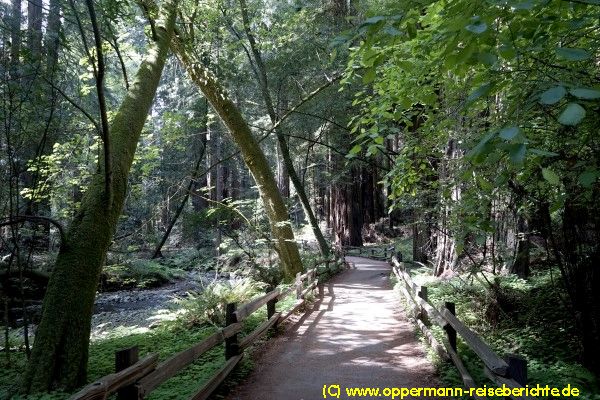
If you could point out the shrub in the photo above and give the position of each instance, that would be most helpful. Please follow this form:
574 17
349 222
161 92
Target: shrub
137 274
209 305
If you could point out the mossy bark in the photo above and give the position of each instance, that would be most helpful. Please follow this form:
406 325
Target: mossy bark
60 353
283 145
253 157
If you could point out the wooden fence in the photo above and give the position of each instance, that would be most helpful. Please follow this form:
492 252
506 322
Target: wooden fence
510 370
136 379
378 253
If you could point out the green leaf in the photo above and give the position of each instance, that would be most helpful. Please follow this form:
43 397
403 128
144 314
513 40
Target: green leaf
553 95
517 153
487 58
356 149
373 20
572 54
509 133
572 114
551 176
585 93
525 5
588 178
482 90
543 153
478 152
477 27
369 75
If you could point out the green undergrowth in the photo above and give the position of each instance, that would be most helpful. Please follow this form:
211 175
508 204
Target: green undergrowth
512 315
142 274
166 340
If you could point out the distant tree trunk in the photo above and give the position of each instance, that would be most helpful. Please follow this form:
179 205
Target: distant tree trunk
34 28
346 210
15 32
253 157
420 238
520 265
580 250
60 352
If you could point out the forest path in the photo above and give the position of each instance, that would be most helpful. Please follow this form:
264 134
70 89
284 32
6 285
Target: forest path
356 336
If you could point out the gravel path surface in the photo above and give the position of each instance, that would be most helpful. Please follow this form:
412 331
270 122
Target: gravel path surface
356 336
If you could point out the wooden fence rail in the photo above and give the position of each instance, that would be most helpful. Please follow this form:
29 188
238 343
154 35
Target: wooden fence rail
510 371
134 380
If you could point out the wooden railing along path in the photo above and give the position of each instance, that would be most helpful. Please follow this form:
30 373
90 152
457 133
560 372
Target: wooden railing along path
377 253
136 379
510 370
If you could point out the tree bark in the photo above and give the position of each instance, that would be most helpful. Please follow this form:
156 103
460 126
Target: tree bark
60 353
15 32
253 157
288 163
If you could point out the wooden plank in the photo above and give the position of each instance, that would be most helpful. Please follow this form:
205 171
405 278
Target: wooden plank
244 311
179 361
308 289
259 331
462 370
306 274
410 300
214 382
432 340
286 292
413 288
110 383
483 351
297 305
511 383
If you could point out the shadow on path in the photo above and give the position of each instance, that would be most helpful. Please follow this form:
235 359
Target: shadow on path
356 336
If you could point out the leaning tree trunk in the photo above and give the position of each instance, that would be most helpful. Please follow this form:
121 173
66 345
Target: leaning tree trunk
288 164
253 157
60 352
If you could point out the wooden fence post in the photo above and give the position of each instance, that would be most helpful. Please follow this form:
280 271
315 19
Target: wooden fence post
450 331
517 368
271 304
231 344
298 286
123 359
423 294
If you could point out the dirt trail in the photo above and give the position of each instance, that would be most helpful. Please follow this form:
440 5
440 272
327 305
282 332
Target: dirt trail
357 336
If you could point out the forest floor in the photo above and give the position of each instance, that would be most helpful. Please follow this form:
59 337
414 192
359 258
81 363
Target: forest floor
356 336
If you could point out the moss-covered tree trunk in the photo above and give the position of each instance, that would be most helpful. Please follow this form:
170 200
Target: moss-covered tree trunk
60 353
283 145
252 154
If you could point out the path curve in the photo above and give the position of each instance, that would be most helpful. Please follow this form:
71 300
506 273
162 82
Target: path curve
356 336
